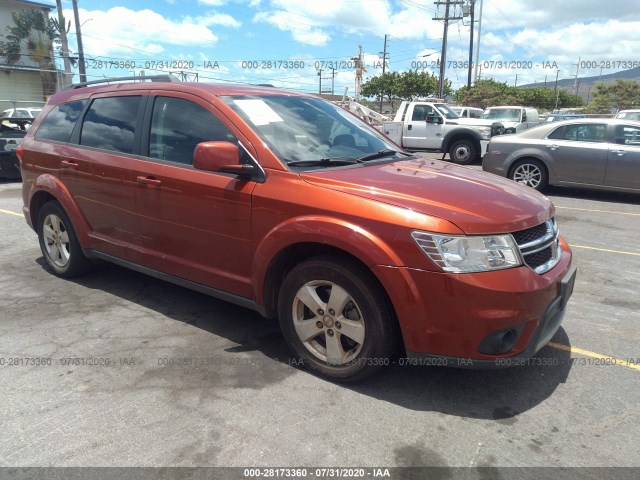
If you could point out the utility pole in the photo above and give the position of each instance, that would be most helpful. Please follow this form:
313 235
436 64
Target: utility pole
475 74
320 81
384 68
333 80
83 73
556 92
472 4
443 54
515 84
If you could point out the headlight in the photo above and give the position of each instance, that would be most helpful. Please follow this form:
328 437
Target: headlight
469 254
485 132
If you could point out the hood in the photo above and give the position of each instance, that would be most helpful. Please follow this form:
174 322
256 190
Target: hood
476 202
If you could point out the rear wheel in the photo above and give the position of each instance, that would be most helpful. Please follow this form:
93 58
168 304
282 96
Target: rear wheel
336 318
462 152
59 243
530 172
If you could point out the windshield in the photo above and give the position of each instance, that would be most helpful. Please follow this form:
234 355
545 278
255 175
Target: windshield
301 129
445 110
502 114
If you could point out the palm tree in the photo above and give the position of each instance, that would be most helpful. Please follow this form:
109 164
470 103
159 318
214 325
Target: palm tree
34 30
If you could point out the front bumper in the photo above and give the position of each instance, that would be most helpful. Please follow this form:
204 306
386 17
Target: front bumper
447 316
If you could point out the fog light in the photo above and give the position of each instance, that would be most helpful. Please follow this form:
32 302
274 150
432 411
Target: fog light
500 341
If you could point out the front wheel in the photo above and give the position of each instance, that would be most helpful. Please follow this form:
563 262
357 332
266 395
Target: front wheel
462 152
530 172
336 318
59 243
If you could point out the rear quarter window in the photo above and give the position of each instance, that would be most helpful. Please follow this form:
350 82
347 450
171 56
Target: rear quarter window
59 122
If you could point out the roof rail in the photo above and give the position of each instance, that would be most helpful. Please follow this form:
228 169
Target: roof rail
153 78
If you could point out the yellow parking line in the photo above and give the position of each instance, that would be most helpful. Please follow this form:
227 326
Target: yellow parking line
9 212
606 250
598 211
608 359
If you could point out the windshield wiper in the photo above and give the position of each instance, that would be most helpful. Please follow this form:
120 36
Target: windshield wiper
323 162
380 154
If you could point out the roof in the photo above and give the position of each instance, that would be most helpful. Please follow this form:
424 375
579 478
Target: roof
29 3
221 89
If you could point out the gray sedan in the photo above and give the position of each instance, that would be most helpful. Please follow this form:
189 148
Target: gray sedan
601 153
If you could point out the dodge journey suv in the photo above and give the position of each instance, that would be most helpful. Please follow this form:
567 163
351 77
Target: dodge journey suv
289 205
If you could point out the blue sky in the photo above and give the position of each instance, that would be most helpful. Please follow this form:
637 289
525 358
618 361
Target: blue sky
225 40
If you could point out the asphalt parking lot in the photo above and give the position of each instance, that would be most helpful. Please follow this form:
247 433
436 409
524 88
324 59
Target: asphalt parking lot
118 369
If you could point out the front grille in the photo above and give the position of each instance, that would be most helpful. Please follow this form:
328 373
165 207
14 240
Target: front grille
540 246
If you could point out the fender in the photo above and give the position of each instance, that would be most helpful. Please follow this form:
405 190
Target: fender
461 130
52 185
339 233
542 156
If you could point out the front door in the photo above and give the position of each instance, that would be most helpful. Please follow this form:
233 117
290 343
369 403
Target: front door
197 224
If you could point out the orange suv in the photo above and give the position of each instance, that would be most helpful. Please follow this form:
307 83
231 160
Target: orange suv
287 204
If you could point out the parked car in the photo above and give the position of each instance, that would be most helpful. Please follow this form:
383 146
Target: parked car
558 117
287 204
467 112
514 119
12 131
601 153
629 115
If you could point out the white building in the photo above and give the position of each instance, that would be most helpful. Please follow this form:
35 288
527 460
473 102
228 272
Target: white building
20 84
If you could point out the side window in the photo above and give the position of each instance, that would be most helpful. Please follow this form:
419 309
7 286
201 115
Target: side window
585 132
475 113
60 121
557 134
420 112
628 135
178 125
110 123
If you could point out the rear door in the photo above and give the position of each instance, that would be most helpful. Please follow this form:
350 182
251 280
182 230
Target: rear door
579 152
623 166
196 224
103 148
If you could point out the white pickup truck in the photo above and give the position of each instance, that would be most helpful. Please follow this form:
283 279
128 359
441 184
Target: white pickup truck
424 125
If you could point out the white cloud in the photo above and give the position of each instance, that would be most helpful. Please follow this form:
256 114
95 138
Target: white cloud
215 18
212 3
313 22
128 33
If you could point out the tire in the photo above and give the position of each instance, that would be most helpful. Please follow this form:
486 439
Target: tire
59 243
348 343
462 152
530 172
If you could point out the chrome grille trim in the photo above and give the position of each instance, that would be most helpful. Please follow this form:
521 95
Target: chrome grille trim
550 240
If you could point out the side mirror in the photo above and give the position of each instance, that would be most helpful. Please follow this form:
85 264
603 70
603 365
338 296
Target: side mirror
433 118
524 116
223 157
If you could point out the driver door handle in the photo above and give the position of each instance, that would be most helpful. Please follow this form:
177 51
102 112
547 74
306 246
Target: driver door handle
553 147
618 152
149 181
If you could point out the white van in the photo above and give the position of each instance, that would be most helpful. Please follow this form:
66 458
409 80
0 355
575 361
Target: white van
467 112
514 118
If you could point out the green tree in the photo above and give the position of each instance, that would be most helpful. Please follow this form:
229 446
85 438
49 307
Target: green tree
407 85
621 95
34 32
489 92
486 93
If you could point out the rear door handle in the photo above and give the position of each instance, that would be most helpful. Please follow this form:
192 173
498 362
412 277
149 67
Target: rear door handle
68 164
409 127
553 147
149 181
618 152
